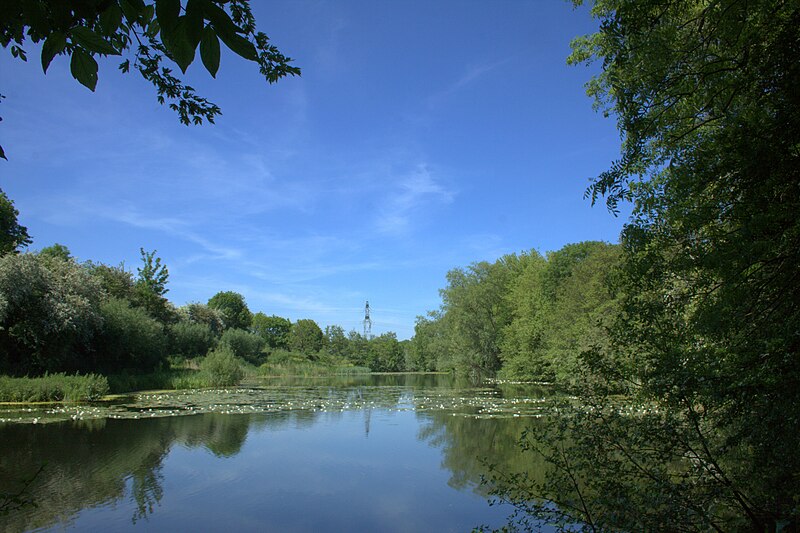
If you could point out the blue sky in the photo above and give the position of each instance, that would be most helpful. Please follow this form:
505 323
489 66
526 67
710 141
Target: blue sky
421 136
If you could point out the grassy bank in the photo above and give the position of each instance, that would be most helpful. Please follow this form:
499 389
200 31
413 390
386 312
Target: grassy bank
308 369
53 388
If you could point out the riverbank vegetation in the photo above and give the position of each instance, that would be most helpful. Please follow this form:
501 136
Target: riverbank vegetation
693 318
62 317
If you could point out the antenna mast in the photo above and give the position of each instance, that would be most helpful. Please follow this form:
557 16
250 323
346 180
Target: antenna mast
367 322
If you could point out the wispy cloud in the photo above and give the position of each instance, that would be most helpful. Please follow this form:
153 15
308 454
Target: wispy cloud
413 192
470 75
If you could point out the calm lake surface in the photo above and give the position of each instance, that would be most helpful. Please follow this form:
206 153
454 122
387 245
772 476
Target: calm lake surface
360 453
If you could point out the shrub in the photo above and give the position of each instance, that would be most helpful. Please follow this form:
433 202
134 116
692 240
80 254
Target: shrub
190 339
221 368
244 344
130 339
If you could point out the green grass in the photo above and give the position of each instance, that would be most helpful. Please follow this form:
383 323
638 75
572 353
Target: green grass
309 368
53 388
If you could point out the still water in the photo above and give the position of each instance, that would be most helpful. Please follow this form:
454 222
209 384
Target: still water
362 453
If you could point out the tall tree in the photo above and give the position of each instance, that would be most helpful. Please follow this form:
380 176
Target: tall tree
306 337
151 286
12 234
150 37
273 329
234 309
705 95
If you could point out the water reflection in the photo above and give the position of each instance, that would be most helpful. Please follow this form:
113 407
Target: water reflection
102 462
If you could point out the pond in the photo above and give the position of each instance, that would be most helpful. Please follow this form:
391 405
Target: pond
360 453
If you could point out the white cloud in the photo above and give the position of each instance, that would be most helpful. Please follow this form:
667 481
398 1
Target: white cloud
413 192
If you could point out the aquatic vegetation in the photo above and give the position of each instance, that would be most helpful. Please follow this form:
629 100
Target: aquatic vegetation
298 394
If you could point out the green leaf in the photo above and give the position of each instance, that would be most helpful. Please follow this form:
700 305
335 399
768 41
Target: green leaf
194 22
130 10
54 45
167 13
84 69
209 51
220 20
110 19
240 45
179 46
92 41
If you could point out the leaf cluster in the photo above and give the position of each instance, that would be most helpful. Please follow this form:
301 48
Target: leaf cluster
149 37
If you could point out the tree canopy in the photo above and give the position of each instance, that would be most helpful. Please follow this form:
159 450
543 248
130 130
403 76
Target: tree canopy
149 37
12 234
233 308
706 334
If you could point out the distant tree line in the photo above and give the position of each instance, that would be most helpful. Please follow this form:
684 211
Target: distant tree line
61 315
524 317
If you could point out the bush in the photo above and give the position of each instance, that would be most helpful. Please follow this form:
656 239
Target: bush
221 368
190 339
244 344
130 339
53 388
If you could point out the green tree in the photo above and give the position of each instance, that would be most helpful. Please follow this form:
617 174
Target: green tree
306 337
477 311
336 341
49 314
129 340
151 286
150 37
430 347
273 329
12 235
190 339
115 281
199 313
233 308
705 96
524 338
56 251
244 345
386 354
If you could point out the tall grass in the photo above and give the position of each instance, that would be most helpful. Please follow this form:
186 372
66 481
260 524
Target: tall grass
53 388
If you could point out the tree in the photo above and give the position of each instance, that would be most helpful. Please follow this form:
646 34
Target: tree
130 339
273 329
429 348
199 313
150 37
56 251
49 314
306 337
12 235
244 344
151 286
477 311
233 308
336 341
115 281
705 96
386 354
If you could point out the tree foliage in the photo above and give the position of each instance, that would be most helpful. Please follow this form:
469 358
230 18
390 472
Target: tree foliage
49 313
149 37
706 337
233 308
273 329
306 337
12 235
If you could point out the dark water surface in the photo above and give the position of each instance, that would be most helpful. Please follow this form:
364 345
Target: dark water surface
362 453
